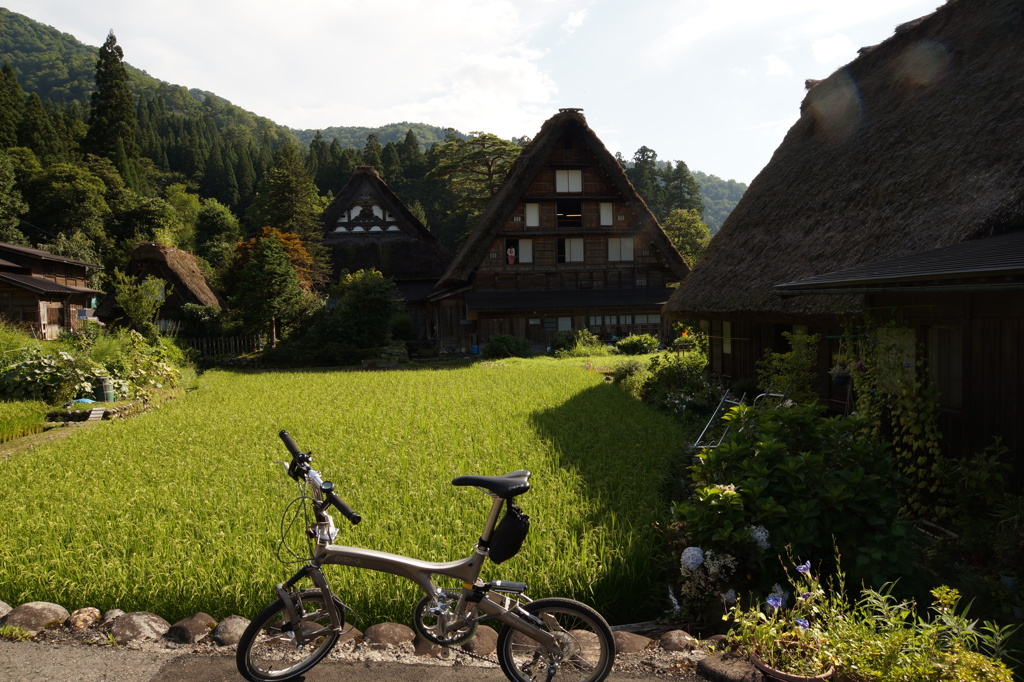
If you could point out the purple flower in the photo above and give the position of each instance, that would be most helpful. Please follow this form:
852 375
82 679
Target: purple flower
804 568
802 622
775 602
805 596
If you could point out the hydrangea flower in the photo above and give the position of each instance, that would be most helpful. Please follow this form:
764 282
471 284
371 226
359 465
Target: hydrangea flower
729 597
692 558
759 534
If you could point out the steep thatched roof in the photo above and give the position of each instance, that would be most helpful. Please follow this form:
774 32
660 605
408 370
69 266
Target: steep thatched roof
176 267
915 145
566 123
395 243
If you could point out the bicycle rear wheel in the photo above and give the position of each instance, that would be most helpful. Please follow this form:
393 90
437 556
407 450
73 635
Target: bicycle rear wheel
273 648
585 640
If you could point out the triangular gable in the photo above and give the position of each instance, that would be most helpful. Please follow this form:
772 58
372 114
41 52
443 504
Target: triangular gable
567 124
367 206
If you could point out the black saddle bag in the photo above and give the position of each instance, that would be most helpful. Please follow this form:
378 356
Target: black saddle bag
509 534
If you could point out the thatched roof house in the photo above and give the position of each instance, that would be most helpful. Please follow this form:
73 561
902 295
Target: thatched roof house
176 267
912 148
566 243
367 226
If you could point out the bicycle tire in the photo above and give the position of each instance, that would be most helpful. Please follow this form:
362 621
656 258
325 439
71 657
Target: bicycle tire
268 650
588 648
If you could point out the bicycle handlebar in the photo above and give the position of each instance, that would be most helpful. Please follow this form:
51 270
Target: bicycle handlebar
300 468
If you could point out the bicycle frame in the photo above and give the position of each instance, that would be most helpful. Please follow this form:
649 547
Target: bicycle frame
420 572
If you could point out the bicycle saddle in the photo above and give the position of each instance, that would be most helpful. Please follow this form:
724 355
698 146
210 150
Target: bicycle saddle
509 485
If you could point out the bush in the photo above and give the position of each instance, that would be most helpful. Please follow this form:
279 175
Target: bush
637 344
51 378
506 346
790 477
679 384
577 344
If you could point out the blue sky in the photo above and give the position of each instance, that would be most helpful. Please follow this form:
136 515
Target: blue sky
714 83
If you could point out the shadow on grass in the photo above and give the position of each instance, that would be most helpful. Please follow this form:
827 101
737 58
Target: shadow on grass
624 453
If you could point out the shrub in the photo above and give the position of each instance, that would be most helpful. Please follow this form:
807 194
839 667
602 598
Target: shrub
51 378
790 477
506 346
678 383
791 373
637 344
580 343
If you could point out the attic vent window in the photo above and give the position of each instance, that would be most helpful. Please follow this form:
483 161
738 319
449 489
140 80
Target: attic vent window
570 213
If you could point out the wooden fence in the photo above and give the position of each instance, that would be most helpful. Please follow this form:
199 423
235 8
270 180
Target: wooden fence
228 345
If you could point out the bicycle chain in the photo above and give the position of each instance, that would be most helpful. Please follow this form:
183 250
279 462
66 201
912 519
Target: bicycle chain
449 647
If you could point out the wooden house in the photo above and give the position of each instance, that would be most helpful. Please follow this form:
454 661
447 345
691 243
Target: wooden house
367 226
44 292
897 198
178 269
565 244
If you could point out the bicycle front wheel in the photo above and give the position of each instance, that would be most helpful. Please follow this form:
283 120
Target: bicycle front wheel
274 648
587 649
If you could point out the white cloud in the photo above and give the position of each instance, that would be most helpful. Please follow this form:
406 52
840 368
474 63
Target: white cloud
777 66
574 21
835 50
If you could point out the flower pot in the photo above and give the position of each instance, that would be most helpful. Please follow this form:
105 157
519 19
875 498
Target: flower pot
773 674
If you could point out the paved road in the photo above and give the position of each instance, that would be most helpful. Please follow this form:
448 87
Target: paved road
40 662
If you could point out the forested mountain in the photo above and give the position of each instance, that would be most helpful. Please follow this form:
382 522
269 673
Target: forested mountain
720 197
96 155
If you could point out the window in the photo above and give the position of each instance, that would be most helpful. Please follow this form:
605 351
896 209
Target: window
570 213
568 181
533 215
570 250
606 213
518 251
595 321
620 248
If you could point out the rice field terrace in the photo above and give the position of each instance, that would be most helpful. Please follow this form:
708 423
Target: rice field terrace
180 510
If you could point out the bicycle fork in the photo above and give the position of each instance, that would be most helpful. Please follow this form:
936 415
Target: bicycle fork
317 577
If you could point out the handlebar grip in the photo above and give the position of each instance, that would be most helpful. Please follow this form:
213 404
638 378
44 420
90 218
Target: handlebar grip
340 505
290 444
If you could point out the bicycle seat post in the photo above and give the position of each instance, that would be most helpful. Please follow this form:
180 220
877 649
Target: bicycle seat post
492 519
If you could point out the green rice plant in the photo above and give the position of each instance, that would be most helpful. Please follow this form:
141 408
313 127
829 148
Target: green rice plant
180 509
21 419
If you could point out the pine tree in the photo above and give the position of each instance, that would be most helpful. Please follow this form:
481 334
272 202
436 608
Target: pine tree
112 116
12 101
267 291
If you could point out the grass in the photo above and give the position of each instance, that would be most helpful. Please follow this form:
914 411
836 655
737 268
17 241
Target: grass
179 510
21 419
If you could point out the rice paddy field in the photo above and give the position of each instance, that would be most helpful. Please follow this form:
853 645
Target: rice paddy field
180 510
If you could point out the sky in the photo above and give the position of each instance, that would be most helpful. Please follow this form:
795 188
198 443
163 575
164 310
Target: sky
713 83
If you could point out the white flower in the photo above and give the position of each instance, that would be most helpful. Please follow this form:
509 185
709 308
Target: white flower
692 558
759 534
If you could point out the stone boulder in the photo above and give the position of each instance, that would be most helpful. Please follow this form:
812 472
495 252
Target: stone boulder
138 625
383 635
5 608
82 619
36 616
191 630
484 642
678 640
630 643
110 616
726 667
229 631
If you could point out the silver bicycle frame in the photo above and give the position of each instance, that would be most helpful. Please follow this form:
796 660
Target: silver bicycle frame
420 572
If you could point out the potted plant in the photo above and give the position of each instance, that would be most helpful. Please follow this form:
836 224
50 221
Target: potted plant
840 373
